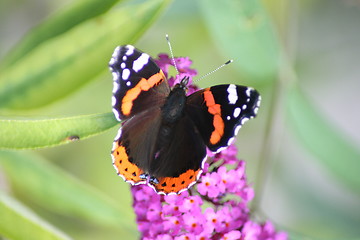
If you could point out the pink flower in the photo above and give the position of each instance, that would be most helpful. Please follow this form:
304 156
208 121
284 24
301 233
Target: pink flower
172 204
183 64
173 224
154 211
186 236
209 185
191 204
193 223
232 235
213 220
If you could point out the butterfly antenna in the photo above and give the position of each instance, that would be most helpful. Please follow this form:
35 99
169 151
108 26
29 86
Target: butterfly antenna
221 66
171 52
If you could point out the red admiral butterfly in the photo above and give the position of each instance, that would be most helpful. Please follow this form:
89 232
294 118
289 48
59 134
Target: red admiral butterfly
165 133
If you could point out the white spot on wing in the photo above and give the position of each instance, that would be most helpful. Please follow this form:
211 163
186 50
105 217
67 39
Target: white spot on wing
112 61
116 52
244 120
130 50
231 140
122 176
124 58
116 87
232 96
237 112
244 107
202 165
140 62
113 101
257 105
228 118
125 74
248 91
220 149
138 183
118 135
128 83
115 76
237 130
123 65
116 113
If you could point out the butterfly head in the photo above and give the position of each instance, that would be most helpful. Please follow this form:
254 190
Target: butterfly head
183 83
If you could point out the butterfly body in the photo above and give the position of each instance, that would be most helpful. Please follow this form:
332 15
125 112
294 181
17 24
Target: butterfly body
165 133
173 108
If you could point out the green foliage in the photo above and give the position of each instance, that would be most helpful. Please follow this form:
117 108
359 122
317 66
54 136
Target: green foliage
323 140
59 23
14 216
62 64
22 134
57 191
243 29
69 51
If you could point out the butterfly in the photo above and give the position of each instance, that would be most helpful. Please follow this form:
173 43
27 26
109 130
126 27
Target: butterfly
165 133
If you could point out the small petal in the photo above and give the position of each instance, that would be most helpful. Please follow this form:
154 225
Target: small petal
191 204
194 223
187 236
164 237
232 235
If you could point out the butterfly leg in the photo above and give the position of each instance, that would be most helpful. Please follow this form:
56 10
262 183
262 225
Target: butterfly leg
153 180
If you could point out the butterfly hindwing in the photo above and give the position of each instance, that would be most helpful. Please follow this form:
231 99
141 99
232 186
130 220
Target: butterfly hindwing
134 146
220 111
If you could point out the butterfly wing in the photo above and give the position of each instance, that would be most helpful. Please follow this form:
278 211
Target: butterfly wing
178 163
140 89
220 111
133 148
139 84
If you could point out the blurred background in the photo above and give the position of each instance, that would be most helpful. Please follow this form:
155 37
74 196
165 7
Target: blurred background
298 148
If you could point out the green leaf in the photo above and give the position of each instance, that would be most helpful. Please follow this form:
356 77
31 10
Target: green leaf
54 189
18 222
25 134
321 138
58 23
244 31
61 65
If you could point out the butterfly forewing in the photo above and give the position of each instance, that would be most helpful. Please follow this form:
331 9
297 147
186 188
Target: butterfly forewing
139 84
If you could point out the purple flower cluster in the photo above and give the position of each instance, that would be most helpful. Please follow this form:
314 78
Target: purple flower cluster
215 208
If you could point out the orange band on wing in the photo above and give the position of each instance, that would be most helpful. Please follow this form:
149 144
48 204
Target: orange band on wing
125 168
176 184
143 85
214 109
